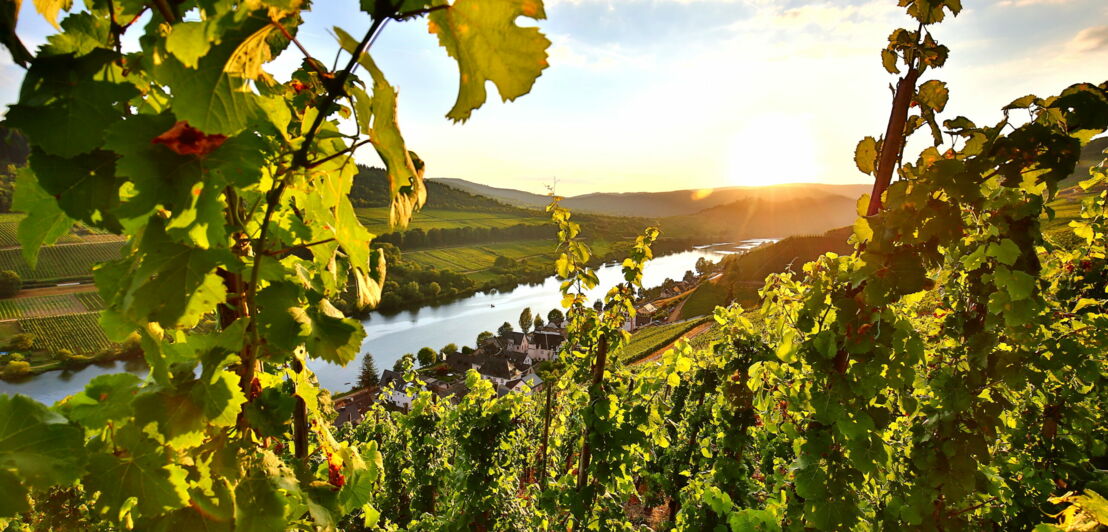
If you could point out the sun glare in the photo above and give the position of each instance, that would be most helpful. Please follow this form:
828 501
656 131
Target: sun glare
773 149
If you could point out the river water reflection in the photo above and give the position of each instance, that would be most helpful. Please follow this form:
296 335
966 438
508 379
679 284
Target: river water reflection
389 337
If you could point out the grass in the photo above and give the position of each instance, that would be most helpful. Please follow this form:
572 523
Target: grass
34 307
79 333
476 258
376 219
647 340
56 263
703 300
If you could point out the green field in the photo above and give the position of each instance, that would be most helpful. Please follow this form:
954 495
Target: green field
35 307
71 261
476 258
376 219
647 340
79 333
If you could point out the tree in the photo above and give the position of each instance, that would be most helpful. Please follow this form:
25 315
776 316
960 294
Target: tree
21 342
503 330
538 322
404 363
427 356
555 316
450 349
526 320
484 337
434 289
369 377
10 283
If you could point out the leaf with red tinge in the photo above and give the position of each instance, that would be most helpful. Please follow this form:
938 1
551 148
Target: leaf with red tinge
187 140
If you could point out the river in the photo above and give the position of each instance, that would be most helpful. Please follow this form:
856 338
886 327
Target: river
389 337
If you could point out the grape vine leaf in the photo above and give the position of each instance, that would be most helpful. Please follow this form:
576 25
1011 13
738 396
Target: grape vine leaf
209 97
330 336
258 506
865 155
63 110
50 8
405 173
15 500
45 222
174 284
488 46
139 469
188 42
106 398
38 446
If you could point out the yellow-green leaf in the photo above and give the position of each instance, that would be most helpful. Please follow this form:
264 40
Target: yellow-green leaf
483 37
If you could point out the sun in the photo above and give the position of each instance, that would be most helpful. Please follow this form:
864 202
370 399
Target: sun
771 149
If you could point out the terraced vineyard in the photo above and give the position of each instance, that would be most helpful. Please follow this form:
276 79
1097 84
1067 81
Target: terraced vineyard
72 261
469 258
33 307
650 339
9 238
376 219
90 300
80 333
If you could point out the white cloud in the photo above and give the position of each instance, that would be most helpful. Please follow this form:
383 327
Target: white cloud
1090 40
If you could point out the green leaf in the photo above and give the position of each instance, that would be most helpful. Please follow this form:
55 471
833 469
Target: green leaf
888 60
208 97
933 94
865 155
62 109
1020 285
139 469
84 187
174 284
483 37
862 229
331 337
39 446
45 222
16 499
105 399
258 506
405 170
1006 252
189 41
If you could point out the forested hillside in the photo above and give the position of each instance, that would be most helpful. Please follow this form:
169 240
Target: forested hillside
665 204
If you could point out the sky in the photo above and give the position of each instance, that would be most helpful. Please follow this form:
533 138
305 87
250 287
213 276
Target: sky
650 95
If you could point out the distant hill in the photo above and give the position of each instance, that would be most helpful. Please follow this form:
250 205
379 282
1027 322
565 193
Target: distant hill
662 204
371 189
743 275
1091 155
766 218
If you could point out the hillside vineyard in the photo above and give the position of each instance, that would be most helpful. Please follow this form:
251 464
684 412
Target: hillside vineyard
939 365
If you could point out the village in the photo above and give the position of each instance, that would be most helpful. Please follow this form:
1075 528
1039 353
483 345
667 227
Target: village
512 360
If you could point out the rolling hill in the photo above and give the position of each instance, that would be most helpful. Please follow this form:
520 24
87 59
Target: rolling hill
662 204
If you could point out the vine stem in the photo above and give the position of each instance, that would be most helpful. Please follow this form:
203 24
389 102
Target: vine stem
597 380
892 145
273 199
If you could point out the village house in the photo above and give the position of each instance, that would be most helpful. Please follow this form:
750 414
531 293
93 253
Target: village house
544 345
402 391
515 341
498 370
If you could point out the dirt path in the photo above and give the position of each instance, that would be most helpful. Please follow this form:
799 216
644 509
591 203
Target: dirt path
694 332
55 290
